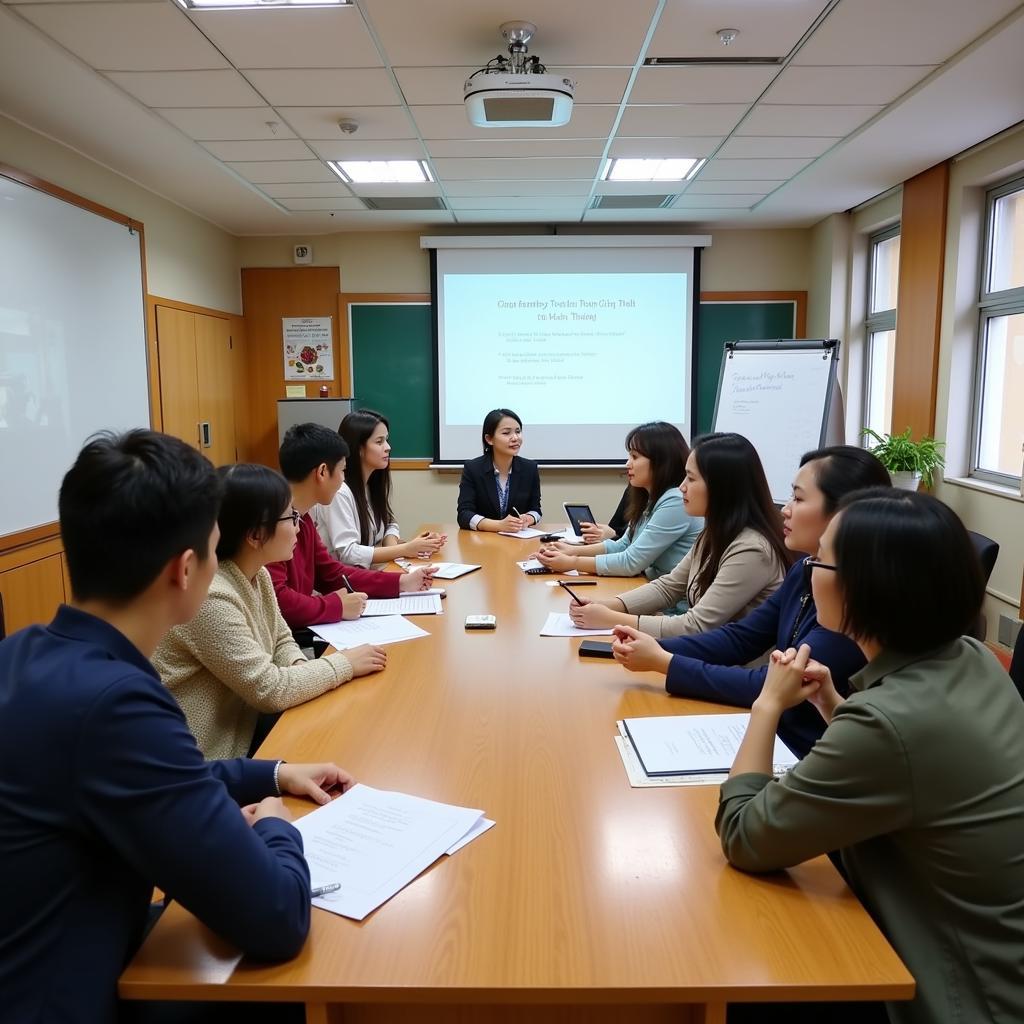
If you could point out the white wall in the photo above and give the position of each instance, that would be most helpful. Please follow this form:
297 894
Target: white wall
187 258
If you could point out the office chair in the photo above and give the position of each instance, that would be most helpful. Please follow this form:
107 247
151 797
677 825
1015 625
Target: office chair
3 627
1017 663
988 550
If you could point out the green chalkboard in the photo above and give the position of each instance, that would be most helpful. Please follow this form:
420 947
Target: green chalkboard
393 371
393 361
733 320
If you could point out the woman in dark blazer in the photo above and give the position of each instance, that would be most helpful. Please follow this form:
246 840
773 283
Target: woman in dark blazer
500 490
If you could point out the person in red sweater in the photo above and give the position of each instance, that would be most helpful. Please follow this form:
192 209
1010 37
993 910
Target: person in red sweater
310 587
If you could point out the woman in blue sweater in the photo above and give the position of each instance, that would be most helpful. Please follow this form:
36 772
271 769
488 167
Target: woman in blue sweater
712 665
659 533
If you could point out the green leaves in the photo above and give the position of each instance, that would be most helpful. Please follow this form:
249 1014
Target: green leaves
901 455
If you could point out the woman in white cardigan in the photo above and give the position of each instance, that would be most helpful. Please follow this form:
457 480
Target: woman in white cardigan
358 527
236 659
738 561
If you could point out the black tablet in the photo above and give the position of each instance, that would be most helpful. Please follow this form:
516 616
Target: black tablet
578 514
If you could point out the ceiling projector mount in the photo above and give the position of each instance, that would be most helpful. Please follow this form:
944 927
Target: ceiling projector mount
516 91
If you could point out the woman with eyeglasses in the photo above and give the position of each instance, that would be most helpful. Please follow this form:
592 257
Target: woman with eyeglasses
236 659
918 778
715 665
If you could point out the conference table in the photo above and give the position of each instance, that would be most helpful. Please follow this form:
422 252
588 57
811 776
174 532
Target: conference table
588 900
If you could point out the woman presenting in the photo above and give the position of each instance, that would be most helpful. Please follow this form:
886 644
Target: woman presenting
500 490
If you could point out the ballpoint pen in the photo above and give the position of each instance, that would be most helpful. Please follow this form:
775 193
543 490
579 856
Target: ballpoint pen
323 890
348 585
568 590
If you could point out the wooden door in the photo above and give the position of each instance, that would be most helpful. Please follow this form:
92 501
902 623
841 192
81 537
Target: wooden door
215 374
176 350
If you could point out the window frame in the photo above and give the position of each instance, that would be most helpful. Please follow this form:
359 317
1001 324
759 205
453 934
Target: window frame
990 305
875 323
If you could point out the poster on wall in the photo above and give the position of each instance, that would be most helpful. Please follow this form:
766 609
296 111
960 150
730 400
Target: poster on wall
308 347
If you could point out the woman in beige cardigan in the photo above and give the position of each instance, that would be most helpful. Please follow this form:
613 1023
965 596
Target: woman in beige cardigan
738 561
237 658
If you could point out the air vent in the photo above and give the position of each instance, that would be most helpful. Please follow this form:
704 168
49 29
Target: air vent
405 203
630 202
675 62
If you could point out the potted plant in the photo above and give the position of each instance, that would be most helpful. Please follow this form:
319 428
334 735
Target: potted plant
909 462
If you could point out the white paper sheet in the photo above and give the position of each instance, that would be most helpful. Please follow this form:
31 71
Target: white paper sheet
638 779
477 830
408 604
374 842
678 744
559 624
533 563
526 534
383 629
452 570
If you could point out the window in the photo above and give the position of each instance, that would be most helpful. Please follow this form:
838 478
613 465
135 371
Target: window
999 410
883 284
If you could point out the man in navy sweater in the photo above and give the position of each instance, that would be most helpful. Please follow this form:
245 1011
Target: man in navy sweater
103 791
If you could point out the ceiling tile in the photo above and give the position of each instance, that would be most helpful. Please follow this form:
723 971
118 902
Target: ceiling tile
694 145
458 34
384 149
321 123
766 119
439 86
745 147
215 123
277 149
19 2
188 88
127 37
701 84
424 188
308 190
638 188
844 84
547 187
283 170
908 32
719 188
515 147
518 216
515 170
745 170
318 87
740 201
322 204
681 119
658 215
450 122
766 29
296 37
564 203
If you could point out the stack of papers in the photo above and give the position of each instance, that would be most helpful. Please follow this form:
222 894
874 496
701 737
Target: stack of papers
407 604
678 750
451 570
533 563
374 843
561 625
384 629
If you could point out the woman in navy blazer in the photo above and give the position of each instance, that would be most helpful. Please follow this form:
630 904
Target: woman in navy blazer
499 490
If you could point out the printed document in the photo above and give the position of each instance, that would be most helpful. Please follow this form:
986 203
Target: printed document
375 842
561 625
525 534
407 604
383 629
451 570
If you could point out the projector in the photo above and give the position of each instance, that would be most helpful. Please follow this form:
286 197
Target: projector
516 91
519 101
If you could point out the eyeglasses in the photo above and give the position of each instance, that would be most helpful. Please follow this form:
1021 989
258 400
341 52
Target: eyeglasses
293 516
810 564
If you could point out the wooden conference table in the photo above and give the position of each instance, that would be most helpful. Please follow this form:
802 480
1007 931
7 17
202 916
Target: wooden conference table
588 900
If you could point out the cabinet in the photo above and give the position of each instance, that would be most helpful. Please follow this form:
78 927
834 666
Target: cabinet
32 584
197 380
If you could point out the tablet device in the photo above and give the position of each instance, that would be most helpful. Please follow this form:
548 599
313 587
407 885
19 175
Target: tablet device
576 515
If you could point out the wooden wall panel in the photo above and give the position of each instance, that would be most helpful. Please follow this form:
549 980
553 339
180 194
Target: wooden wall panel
176 345
32 592
919 312
268 294
215 359
240 383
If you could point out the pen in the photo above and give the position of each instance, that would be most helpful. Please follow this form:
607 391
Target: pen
348 586
518 515
577 583
568 590
323 890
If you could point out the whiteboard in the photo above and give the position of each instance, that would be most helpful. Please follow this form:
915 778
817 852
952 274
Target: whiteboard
72 343
778 394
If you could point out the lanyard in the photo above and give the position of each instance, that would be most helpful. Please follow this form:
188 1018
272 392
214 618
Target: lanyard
801 611
503 493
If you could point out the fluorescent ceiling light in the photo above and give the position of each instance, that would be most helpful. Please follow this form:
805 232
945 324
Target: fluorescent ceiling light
251 5
681 169
381 172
